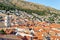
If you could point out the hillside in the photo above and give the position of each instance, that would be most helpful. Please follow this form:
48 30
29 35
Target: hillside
38 11
29 5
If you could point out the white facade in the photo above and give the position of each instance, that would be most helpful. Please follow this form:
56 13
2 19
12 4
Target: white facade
7 21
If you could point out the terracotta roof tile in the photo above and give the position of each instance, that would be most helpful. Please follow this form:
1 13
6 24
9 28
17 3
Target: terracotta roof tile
55 25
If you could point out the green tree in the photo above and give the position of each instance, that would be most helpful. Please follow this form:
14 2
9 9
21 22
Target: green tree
2 32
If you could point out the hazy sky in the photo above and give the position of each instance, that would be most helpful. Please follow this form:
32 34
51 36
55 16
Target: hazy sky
51 3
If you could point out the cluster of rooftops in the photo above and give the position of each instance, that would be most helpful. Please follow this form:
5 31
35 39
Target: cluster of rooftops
24 29
43 31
